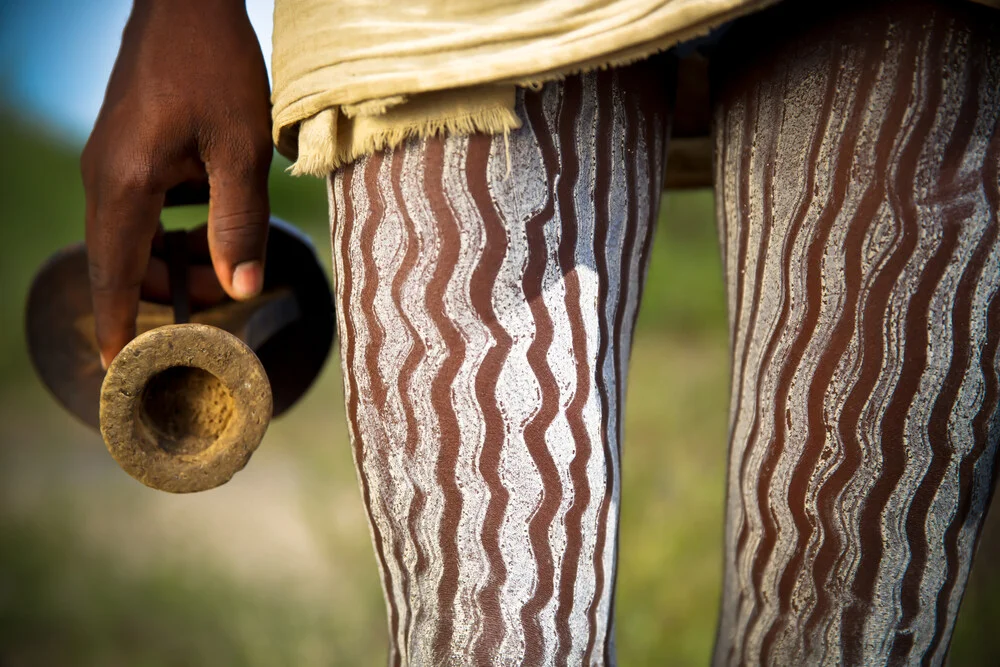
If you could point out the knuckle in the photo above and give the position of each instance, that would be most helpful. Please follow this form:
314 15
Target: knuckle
124 159
132 172
256 144
245 152
121 173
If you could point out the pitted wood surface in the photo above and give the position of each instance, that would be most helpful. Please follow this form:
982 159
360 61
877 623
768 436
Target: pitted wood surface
202 425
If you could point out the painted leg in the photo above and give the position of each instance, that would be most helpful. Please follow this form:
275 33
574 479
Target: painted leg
859 205
487 292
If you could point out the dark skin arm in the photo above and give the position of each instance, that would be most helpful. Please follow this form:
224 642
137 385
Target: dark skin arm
188 100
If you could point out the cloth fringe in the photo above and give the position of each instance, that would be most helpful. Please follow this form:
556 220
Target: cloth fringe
333 138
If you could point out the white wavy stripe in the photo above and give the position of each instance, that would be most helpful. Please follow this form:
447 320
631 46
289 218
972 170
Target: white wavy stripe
832 264
748 200
420 392
880 242
757 385
725 221
731 131
614 251
518 393
642 171
473 563
882 622
720 171
420 464
586 272
370 426
389 250
339 187
758 112
832 311
750 519
969 400
763 418
969 403
387 426
795 411
562 363
941 512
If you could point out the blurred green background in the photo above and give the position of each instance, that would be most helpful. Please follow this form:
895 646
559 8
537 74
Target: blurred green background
276 568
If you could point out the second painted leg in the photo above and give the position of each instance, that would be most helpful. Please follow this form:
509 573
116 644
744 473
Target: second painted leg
859 199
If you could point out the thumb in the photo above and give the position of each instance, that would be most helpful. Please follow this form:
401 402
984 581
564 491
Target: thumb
238 215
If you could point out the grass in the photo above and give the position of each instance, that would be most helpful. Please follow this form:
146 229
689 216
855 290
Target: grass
72 605
276 567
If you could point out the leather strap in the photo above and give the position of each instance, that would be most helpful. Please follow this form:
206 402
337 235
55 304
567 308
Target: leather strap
175 243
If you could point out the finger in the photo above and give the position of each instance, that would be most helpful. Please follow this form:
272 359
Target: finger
237 225
121 221
203 285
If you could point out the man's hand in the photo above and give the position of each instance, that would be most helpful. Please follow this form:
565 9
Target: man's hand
188 99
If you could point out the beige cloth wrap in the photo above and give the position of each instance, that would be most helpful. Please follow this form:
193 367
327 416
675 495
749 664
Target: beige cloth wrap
355 76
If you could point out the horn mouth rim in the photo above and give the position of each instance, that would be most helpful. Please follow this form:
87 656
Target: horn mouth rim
198 346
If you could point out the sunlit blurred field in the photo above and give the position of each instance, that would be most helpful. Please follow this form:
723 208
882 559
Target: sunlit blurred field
275 568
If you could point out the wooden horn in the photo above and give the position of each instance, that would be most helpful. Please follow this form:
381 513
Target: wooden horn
184 405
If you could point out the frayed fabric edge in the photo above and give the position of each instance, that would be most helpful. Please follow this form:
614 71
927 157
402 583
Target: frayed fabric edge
320 153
